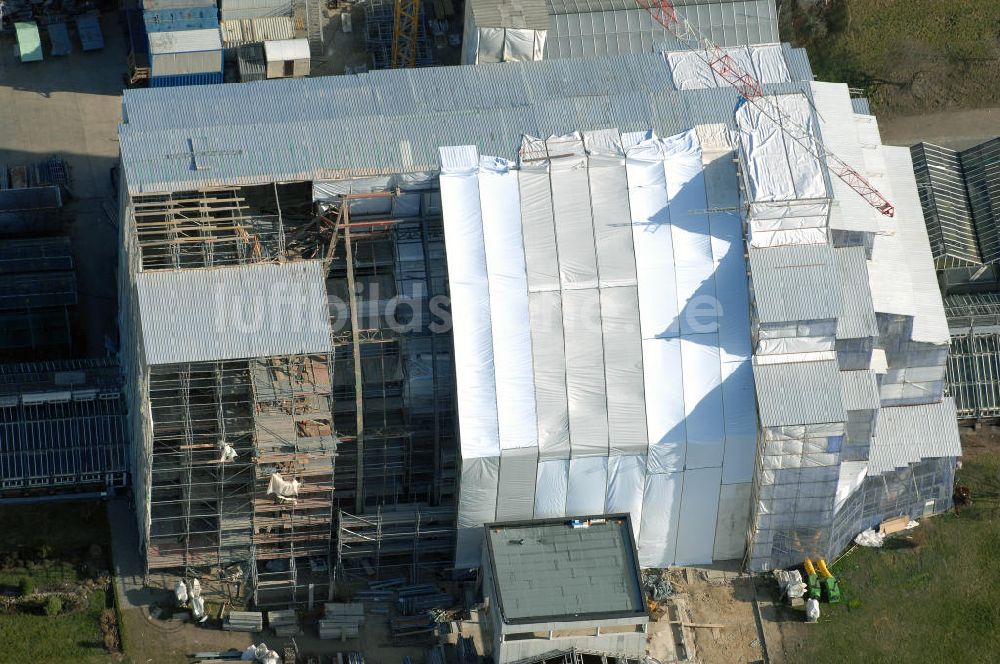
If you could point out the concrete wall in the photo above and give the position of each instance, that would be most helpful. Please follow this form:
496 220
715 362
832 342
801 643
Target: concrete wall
631 645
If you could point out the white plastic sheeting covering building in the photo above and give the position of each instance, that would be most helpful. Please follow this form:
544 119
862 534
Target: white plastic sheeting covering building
601 332
504 31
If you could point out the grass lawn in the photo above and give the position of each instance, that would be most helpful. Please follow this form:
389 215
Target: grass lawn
58 545
935 599
68 637
909 55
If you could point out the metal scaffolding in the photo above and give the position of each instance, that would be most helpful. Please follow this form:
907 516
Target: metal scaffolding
974 374
221 430
407 542
226 435
393 403
224 226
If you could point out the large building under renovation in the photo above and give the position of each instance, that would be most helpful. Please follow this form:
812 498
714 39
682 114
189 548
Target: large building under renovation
364 315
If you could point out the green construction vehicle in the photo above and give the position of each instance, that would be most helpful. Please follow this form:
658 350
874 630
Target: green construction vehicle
813 587
831 589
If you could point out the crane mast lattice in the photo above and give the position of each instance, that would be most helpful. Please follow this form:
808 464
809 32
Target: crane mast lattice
749 87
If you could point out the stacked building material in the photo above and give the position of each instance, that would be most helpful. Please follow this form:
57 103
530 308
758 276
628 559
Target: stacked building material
244 621
284 623
418 598
341 621
404 627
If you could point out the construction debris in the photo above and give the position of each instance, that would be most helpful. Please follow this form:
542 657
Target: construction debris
790 583
656 585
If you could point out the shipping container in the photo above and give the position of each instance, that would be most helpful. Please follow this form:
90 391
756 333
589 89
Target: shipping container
176 55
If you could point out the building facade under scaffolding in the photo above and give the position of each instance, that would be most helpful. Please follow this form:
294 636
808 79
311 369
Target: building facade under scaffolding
579 214
273 396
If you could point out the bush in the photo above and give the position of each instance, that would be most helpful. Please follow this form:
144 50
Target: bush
27 586
53 605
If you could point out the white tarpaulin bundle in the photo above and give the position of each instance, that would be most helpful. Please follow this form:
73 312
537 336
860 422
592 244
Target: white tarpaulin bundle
691 70
602 339
282 488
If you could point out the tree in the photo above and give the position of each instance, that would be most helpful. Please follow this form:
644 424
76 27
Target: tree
53 605
27 586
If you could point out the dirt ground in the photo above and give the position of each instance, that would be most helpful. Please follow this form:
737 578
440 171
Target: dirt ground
976 442
954 129
149 640
712 597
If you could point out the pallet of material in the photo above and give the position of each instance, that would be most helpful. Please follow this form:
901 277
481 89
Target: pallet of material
341 621
329 629
244 621
284 623
331 609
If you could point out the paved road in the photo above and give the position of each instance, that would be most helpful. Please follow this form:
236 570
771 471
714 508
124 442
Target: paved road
71 106
952 129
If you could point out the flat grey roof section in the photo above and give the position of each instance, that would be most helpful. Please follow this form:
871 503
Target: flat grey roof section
394 121
228 313
795 393
518 14
907 434
547 570
795 283
857 317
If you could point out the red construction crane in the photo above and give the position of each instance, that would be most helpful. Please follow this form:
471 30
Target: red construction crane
728 69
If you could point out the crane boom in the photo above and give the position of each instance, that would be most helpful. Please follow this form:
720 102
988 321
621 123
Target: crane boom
746 84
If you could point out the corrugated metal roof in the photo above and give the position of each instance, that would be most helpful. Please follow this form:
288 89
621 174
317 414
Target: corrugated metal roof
795 283
552 570
608 27
240 9
861 106
177 19
88 28
518 14
795 393
857 317
286 49
246 311
29 43
929 323
860 390
185 41
59 39
907 434
797 59
295 129
253 30
175 4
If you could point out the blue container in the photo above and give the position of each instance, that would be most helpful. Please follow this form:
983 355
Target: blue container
207 78
187 18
